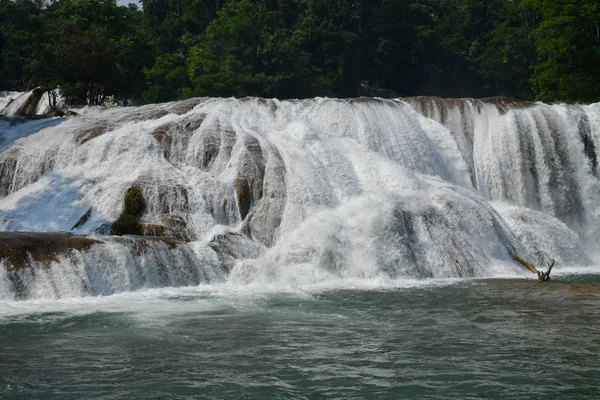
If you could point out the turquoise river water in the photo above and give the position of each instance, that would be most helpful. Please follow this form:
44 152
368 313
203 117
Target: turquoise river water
502 338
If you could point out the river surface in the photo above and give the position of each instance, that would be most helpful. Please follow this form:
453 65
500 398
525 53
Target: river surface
500 338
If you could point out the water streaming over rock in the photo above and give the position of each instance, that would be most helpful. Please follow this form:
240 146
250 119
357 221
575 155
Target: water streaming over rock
306 191
33 103
59 265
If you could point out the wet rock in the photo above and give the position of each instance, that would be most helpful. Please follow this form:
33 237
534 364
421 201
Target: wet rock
267 212
210 145
167 199
175 222
143 245
194 123
28 257
165 141
29 107
231 247
505 104
93 133
8 166
104 229
17 248
178 226
252 168
55 113
244 197
585 132
153 230
438 108
163 231
184 106
159 114
84 218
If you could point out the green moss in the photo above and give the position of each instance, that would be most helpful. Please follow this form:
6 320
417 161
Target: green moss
134 206
134 203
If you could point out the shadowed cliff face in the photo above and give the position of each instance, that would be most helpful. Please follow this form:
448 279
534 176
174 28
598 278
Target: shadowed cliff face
314 189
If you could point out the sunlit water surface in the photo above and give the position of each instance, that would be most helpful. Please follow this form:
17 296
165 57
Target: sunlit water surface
513 339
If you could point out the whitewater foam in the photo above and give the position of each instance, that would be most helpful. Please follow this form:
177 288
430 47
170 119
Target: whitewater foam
339 190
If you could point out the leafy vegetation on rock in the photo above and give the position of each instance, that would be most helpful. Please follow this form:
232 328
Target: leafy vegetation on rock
134 206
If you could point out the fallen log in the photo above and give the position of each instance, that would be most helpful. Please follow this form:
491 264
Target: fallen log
542 276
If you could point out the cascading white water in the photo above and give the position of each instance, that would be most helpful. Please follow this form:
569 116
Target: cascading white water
338 189
6 98
14 103
112 265
538 156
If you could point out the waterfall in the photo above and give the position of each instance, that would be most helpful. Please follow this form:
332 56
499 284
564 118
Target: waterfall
32 103
106 266
538 156
304 191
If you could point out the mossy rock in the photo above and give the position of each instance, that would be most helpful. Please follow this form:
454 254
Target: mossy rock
134 203
134 206
126 225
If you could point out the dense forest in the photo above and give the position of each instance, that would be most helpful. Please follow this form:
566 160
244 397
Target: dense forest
95 50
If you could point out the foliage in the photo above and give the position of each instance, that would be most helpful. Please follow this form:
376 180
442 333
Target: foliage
567 40
172 49
134 206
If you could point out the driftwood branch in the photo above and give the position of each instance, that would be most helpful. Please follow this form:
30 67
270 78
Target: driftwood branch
527 265
542 276
550 265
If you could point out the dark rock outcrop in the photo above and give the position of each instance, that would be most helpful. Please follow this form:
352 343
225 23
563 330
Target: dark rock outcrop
17 248
8 166
365 90
244 197
84 218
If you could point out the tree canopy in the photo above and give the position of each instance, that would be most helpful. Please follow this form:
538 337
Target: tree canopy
171 49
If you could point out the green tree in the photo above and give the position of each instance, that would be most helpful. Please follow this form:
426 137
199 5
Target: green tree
568 47
91 50
167 79
175 26
19 34
509 56
228 59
